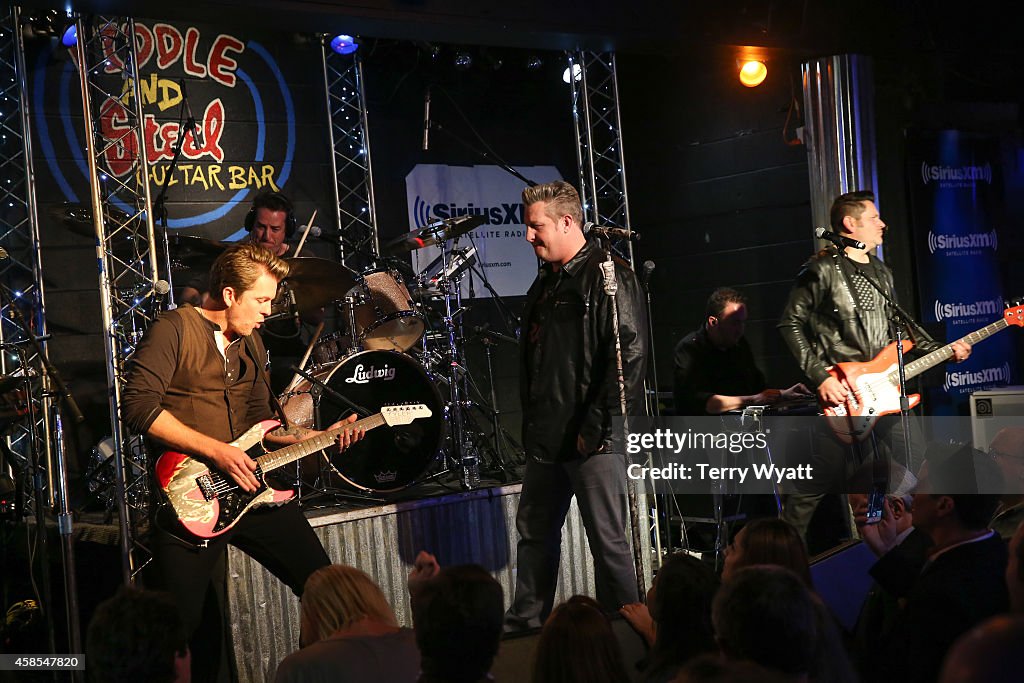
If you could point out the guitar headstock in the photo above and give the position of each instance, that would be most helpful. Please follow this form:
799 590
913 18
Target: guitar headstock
1014 314
402 415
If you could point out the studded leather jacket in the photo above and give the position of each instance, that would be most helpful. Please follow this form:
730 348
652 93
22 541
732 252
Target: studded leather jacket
568 378
822 324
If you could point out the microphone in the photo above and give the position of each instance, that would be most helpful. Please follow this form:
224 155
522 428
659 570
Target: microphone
646 270
609 233
426 121
190 122
314 230
156 299
840 241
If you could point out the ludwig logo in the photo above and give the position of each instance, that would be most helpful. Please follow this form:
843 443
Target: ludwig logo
945 311
963 243
959 382
385 477
955 174
361 376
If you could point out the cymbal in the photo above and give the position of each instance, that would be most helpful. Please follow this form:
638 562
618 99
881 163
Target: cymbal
316 281
77 217
435 233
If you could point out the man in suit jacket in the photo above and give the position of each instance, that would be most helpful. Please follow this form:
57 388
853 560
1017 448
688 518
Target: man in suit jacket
962 581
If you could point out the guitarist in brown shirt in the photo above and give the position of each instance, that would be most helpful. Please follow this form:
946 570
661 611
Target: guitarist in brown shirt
195 383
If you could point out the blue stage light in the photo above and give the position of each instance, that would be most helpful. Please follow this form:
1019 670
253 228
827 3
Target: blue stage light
344 45
69 38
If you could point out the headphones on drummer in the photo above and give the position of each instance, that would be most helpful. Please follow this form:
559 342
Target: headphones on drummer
275 201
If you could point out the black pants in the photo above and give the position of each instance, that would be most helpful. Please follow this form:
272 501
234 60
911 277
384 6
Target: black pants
838 469
599 484
279 538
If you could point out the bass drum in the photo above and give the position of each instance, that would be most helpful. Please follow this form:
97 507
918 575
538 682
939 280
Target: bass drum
389 458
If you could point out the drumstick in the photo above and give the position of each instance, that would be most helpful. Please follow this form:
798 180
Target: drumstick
302 363
305 232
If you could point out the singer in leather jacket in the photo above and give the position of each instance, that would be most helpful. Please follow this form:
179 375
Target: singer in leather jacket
570 394
572 390
821 322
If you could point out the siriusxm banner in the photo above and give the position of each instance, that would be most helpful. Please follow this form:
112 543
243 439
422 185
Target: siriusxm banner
955 197
436 191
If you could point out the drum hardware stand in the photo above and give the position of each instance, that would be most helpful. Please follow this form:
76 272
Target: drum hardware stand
53 388
754 417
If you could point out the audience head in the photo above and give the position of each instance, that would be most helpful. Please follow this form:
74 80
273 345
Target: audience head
1015 571
715 669
680 604
1007 449
138 635
988 653
458 620
577 644
768 541
766 614
337 596
958 491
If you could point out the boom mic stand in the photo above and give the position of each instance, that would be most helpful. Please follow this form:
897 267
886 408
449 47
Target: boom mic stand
899 318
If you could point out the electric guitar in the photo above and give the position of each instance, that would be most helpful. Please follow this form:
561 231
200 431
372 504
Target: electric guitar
878 380
209 502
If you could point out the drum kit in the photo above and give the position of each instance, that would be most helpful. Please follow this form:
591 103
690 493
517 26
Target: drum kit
393 346
400 339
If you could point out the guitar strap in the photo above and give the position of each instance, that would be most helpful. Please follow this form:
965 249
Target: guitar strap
254 353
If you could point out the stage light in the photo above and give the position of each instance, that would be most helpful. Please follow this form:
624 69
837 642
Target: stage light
69 36
753 73
463 60
533 63
577 73
344 44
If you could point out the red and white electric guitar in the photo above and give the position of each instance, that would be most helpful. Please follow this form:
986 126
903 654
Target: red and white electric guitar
878 383
209 502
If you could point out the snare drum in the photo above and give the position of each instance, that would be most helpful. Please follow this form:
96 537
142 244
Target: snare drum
385 317
389 458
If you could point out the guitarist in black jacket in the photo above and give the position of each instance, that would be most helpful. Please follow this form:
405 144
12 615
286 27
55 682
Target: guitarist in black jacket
833 315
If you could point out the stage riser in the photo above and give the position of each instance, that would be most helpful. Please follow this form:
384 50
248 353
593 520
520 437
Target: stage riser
476 527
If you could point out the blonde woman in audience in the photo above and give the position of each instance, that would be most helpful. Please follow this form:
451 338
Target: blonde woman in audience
349 634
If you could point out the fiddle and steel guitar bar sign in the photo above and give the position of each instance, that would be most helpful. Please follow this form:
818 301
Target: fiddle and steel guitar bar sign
255 104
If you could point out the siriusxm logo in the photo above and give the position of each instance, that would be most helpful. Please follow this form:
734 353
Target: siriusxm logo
503 214
973 240
959 382
930 173
944 311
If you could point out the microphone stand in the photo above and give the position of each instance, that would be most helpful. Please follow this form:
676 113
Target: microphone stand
610 289
654 409
159 204
899 318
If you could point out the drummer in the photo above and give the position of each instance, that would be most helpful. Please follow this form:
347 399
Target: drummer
715 370
270 223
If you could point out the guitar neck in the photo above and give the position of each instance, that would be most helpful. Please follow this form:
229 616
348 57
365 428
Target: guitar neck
289 454
946 352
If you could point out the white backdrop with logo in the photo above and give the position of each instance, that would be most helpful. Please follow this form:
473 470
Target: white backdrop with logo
436 191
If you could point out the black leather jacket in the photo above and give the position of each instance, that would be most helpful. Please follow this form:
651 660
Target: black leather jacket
571 389
820 322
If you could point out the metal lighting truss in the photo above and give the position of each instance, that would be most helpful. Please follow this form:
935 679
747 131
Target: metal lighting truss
350 158
599 154
125 245
21 273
